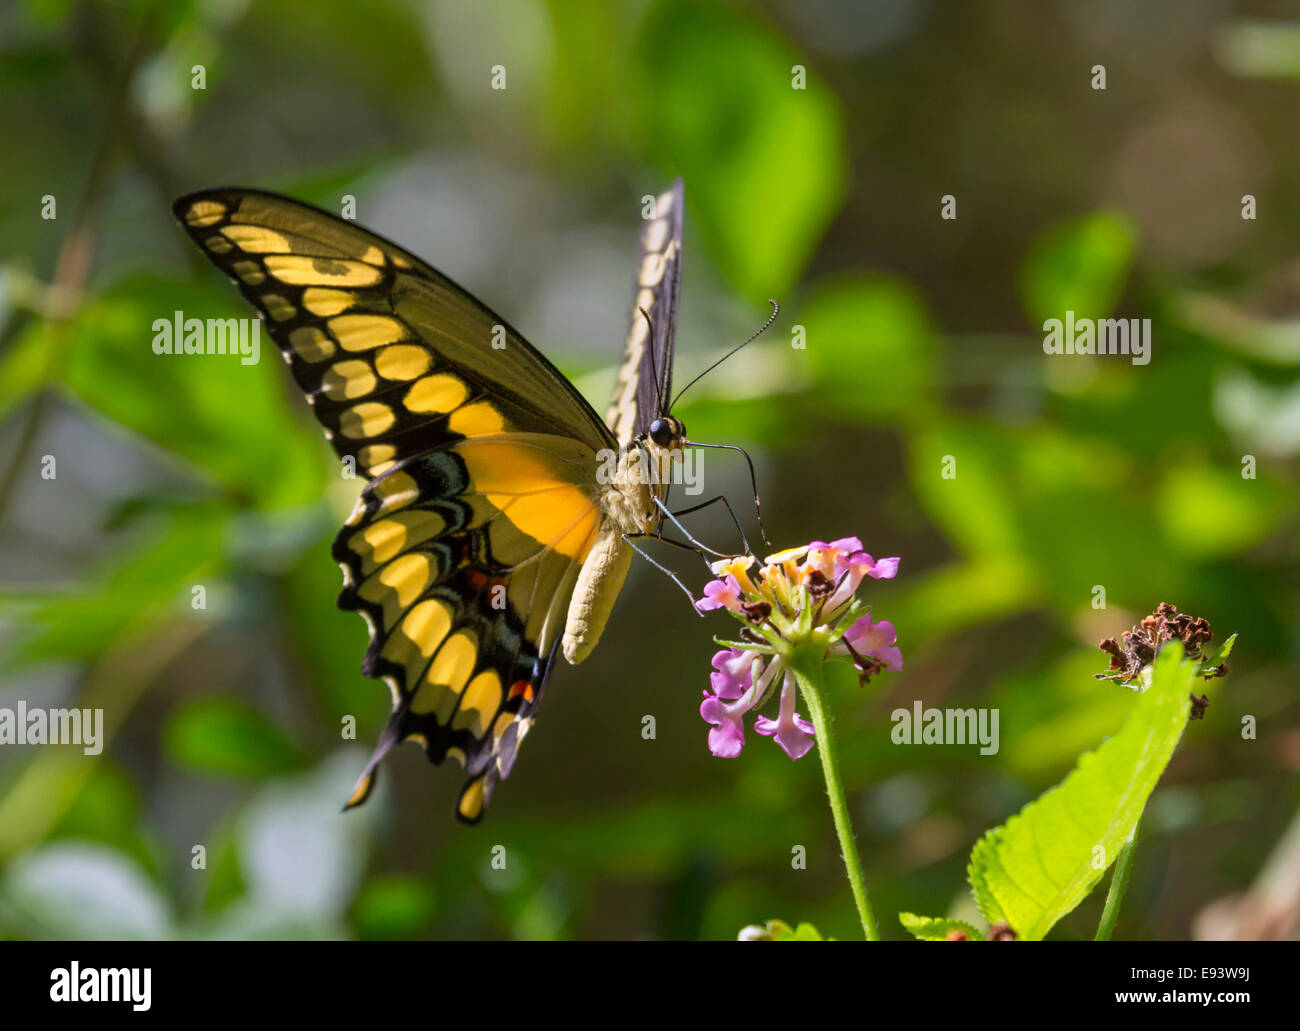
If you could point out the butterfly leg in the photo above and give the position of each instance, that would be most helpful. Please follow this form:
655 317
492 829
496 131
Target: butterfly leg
730 511
627 538
672 517
753 483
658 536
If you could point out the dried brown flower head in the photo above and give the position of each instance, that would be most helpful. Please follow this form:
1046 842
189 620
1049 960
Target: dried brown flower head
1140 645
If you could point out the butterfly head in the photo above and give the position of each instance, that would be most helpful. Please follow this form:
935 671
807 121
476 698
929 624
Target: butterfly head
667 433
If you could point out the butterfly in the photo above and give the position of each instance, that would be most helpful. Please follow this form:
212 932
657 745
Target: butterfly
495 530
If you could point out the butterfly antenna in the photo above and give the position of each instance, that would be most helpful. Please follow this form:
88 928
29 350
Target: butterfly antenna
757 333
659 390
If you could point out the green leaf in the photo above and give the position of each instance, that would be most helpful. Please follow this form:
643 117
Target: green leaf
973 504
106 810
1259 48
228 737
230 420
937 929
141 583
1078 266
1225 650
393 906
1041 863
1210 512
765 163
23 365
329 642
1215 668
804 933
780 931
856 327
225 881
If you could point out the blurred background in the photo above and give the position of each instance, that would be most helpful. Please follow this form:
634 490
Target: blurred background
923 339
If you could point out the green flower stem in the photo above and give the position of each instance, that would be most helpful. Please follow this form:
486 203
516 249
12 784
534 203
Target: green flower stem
805 662
1118 885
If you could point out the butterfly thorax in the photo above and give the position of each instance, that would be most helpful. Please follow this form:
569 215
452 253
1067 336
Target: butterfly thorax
629 499
641 474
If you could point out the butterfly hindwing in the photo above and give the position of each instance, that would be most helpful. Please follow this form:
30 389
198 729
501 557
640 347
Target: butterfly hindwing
466 608
464 547
644 384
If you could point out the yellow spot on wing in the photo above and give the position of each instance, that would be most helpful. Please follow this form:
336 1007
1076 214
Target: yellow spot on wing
204 213
368 419
470 805
479 703
277 307
365 332
311 344
218 244
361 791
396 490
385 539
479 419
402 362
440 393
455 661
376 454
249 271
447 675
420 632
398 584
348 379
256 239
305 270
324 302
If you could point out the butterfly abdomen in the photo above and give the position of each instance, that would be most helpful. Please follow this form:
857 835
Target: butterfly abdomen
627 507
599 583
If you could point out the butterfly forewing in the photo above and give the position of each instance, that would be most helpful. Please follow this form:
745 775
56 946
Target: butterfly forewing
394 357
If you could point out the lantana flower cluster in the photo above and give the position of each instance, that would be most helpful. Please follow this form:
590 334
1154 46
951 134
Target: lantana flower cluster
798 597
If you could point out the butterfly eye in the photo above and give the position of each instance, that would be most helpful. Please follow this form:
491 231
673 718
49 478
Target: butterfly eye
661 432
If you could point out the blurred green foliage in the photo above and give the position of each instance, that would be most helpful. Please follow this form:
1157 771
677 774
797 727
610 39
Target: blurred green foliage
921 342
1079 266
